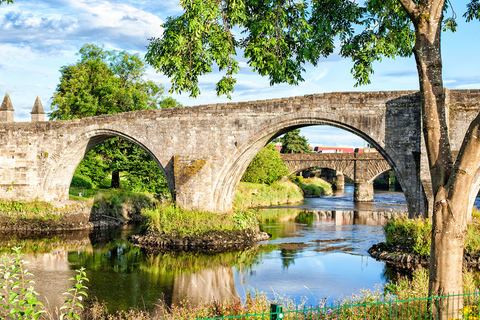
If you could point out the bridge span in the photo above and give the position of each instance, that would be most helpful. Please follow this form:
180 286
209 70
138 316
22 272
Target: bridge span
204 150
362 168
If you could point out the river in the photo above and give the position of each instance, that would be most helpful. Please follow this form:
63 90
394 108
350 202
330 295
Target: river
318 250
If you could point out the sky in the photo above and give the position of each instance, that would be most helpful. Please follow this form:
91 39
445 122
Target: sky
38 37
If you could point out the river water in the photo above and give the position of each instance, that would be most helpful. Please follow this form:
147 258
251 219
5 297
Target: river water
318 250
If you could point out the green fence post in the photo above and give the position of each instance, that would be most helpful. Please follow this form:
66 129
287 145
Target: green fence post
276 312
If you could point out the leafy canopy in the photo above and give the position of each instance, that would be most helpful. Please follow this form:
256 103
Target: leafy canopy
106 82
293 142
267 167
279 37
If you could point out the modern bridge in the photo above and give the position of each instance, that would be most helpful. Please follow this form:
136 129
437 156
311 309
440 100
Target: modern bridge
204 150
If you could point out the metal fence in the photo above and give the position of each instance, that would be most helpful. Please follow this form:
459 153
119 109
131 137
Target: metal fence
460 306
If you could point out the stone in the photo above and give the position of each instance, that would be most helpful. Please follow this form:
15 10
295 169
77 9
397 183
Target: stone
38 159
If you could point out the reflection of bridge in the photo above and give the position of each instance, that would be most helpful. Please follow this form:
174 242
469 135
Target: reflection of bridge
363 168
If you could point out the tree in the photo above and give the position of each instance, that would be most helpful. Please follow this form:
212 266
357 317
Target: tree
105 82
293 142
267 167
6 1
281 36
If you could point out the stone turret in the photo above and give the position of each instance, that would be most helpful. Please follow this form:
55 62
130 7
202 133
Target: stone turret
37 112
6 110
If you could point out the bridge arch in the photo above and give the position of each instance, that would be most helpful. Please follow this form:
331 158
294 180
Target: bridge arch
236 165
63 163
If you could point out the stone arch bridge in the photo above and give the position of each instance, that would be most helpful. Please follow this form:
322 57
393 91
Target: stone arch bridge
363 168
204 150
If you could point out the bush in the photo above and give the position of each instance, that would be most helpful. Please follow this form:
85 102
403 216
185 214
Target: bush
267 167
81 181
413 235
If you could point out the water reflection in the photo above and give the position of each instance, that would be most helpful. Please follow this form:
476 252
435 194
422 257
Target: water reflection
313 253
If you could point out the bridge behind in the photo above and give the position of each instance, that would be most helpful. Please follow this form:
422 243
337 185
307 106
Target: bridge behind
363 168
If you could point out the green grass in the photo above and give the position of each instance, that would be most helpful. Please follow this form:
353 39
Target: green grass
414 235
251 195
86 193
14 210
173 220
312 187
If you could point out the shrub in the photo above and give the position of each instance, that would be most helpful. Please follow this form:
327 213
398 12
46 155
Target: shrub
18 299
267 167
81 181
413 235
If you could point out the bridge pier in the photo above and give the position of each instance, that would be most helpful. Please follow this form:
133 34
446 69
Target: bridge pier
362 191
193 183
340 181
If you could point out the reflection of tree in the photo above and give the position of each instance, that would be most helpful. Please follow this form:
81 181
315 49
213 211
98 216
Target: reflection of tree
392 273
288 257
306 217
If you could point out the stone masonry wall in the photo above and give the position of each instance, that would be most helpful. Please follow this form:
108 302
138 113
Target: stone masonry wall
204 150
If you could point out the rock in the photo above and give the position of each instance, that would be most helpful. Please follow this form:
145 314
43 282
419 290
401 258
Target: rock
212 242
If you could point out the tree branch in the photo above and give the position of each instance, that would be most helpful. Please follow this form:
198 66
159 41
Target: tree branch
410 7
466 164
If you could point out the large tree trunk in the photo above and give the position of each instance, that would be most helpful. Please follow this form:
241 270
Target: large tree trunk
115 179
451 184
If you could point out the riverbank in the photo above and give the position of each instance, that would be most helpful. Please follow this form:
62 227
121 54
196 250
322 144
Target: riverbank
106 209
285 191
407 243
313 187
252 195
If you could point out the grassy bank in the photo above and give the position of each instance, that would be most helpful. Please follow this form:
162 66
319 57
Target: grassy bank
251 195
313 187
414 235
173 220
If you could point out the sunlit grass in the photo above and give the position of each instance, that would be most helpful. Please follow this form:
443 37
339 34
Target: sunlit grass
173 220
251 195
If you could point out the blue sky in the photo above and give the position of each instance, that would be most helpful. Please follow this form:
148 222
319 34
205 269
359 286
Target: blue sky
38 37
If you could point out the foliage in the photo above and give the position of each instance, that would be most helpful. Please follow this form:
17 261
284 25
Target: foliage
91 170
417 285
293 142
144 175
75 294
173 220
414 235
250 195
18 299
115 200
6 1
15 210
409 234
106 82
81 181
312 187
267 167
